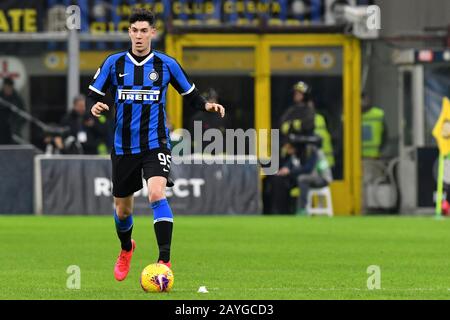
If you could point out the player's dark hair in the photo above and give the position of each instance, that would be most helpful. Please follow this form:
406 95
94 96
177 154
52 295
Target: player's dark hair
142 14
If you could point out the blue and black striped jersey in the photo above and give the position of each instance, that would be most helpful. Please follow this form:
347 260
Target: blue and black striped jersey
139 91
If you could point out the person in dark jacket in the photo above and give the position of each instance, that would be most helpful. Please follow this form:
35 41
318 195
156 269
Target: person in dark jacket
308 168
298 118
5 125
83 129
10 123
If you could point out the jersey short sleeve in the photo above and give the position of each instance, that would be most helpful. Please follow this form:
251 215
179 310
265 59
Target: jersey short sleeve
102 77
179 79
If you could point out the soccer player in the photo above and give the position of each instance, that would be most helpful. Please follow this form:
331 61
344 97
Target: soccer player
138 80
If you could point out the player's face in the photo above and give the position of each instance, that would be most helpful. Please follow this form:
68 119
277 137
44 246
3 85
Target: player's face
141 34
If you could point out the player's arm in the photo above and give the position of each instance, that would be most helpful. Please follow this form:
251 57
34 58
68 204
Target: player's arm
95 102
187 89
197 101
98 87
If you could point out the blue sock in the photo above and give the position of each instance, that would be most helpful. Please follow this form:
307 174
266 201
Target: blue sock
124 229
161 211
163 225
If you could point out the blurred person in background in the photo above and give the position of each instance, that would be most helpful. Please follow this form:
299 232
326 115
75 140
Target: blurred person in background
298 118
373 136
55 144
11 124
306 168
5 125
88 132
374 131
321 130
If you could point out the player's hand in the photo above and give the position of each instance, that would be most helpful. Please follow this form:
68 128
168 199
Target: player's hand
98 108
215 107
283 172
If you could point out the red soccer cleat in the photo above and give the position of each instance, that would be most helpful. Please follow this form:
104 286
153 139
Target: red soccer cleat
123 263
167 264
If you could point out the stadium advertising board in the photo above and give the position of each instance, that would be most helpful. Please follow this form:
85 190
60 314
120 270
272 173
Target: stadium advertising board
16 179
50 15
20 16
82 185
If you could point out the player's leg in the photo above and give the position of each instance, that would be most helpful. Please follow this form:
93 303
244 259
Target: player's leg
162 216
127 179
156 167
123 208
124 221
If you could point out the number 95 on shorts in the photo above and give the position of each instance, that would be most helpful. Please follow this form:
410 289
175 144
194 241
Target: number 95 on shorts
128 170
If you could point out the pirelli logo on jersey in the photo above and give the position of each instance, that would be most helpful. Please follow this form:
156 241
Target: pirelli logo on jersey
138 95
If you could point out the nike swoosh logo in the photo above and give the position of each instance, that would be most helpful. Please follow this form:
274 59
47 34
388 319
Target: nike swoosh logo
122 75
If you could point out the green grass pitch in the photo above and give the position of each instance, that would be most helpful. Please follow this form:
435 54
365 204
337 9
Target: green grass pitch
234 257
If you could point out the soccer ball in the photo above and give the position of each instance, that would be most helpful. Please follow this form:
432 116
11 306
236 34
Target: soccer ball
157 277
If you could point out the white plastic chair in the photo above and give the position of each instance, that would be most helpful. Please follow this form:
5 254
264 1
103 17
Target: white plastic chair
325 202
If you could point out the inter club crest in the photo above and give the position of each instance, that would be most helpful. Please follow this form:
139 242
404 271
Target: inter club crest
154 76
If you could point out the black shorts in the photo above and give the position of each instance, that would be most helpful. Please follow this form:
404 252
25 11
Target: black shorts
128 170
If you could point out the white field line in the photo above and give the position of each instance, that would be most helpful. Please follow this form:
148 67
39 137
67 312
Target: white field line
194 290
331 289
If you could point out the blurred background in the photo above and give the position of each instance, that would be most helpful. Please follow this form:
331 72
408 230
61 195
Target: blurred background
365 77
